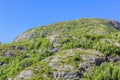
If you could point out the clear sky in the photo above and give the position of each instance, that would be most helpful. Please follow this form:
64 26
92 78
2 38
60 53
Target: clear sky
17 16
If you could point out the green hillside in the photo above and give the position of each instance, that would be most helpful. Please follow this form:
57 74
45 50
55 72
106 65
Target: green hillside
85 49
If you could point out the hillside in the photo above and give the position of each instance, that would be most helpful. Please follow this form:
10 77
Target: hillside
85 49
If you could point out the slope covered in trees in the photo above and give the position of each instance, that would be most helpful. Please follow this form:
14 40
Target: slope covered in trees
85 49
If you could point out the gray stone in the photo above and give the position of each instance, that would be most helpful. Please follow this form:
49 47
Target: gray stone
24 75
66 75
65 68
26 35
53 49
97 60
85 65
70 52
113 59
53 38
3 64
9 54
53 64
115 24
26 56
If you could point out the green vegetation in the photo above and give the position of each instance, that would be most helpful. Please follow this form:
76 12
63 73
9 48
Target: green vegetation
80 49
105 71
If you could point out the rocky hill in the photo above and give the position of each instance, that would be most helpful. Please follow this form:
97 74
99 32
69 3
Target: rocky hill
85 49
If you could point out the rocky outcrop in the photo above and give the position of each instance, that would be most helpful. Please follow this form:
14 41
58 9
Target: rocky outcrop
53 38
26 56
113 58
24 75
66 75
26 35
115 24
9 54
3 63
93 59
53 49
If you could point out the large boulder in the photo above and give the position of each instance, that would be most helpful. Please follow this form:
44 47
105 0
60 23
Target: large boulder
113 58
24 75
9 54
66 75
115 24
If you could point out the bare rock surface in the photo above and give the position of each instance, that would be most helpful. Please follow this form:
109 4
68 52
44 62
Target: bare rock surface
24 75
9 54
66 75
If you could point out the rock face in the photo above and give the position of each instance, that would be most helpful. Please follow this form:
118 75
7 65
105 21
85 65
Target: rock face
113 59
93 59
67 75
3 63
24 75
26 56
116 24
65 72
24 36
9 54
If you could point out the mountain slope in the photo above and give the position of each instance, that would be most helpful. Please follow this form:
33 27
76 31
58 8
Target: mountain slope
86 49
99 26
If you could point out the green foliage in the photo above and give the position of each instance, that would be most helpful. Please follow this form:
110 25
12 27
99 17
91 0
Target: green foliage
31 53
106 71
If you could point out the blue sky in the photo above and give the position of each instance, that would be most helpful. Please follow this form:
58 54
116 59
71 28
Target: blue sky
17 16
